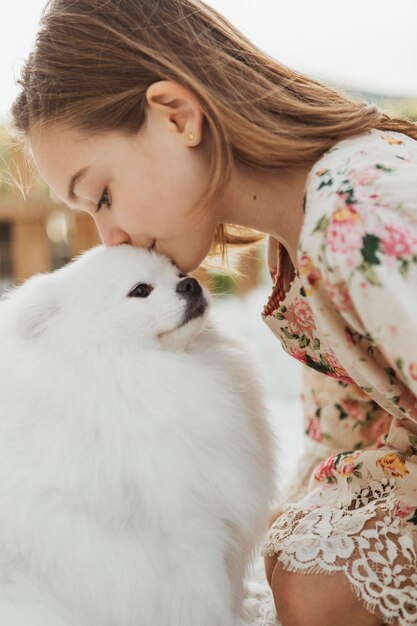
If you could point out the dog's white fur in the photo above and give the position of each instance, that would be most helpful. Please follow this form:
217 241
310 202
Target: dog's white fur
136 461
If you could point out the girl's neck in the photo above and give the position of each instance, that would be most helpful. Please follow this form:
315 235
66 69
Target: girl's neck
271 202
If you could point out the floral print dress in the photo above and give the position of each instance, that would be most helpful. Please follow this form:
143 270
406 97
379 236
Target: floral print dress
349 314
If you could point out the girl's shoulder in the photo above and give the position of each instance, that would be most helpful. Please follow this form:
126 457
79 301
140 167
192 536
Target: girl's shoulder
366 147
362 180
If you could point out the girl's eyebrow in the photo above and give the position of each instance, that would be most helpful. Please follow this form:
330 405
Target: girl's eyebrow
77 177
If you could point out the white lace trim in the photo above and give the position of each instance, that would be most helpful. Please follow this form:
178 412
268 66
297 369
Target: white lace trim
364 539
258 603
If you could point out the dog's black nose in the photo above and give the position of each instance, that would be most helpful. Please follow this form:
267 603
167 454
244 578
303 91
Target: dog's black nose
189 287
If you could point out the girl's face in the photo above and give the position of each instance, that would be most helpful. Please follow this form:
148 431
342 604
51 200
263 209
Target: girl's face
138 188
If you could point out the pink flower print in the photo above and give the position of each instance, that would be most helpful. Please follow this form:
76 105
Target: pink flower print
332 361
349 337
393 330
308 270
403 510
339 295
398 242
344 233
365 176
412 368
381 442
407 402
325 471
300 318
376 429
314 429
347 466
340 374
300 355
355 410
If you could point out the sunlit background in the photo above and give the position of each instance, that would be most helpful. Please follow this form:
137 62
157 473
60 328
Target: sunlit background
369 48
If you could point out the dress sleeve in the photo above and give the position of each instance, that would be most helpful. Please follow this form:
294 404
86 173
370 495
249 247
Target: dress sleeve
365 252
339 416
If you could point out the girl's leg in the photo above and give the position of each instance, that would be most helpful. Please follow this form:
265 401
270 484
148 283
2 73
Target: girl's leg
318 600
315 599
270 561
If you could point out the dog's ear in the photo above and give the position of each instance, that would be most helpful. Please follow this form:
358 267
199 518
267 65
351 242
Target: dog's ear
37 306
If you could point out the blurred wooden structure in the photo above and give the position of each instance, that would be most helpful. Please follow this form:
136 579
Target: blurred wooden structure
37 234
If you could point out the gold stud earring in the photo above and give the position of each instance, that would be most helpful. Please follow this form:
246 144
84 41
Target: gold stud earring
190 136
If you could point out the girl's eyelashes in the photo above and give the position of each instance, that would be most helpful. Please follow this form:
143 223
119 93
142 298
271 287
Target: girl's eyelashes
103 200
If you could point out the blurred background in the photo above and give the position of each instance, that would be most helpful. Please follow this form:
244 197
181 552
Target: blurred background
367 48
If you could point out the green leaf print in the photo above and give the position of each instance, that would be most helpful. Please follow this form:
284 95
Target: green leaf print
404 267
340 456
413 444
322 224
346 188
279 314
384 168
288 334
331 480
325 183
370 274
399 362
316 344
342 413
392 376
369 249
317 365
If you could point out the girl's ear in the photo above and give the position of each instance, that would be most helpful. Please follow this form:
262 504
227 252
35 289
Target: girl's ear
179 108
36 306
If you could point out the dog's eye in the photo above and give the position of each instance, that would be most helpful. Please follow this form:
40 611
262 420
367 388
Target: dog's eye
182 275
140 291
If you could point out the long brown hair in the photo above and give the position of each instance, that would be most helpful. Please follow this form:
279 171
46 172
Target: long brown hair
93 61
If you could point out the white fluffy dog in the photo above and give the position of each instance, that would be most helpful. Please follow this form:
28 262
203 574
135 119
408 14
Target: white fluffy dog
136 462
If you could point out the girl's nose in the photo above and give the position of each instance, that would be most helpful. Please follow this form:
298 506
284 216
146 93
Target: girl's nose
113 236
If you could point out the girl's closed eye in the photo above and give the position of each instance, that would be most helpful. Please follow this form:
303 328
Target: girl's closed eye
104 200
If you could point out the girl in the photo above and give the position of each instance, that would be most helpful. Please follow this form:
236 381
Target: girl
168 126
